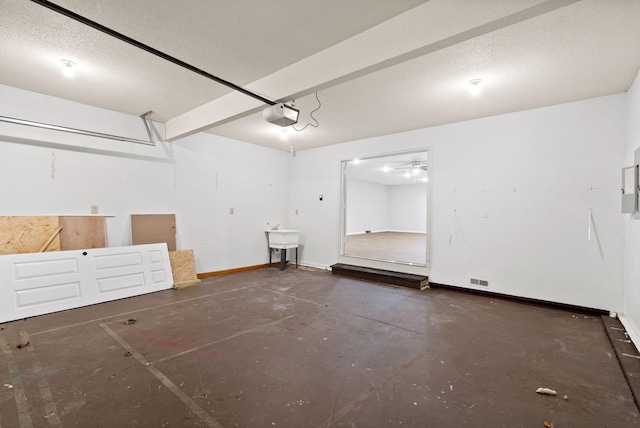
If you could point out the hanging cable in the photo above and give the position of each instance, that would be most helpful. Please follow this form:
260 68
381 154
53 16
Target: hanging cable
311 115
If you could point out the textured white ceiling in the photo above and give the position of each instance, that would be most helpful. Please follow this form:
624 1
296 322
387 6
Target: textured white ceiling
239 41
378 66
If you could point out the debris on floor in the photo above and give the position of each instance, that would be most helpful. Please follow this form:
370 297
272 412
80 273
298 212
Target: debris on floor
23 345
128 354
8 385
637 357
566 397
546 391
548 424
131 321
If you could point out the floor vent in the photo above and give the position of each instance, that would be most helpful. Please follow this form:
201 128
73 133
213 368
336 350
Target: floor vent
481 282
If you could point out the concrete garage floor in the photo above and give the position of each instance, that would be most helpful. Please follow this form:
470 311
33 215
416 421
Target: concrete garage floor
299 348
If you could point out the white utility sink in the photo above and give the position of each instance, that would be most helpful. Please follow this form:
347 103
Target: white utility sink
283 238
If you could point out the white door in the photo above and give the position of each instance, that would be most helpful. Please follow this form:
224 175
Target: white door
40 283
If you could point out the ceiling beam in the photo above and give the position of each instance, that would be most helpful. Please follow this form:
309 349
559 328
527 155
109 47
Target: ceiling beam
400 39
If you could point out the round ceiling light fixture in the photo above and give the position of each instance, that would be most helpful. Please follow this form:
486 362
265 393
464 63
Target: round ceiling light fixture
475 86
68 68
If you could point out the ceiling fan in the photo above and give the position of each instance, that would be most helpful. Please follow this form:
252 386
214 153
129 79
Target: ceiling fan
417 165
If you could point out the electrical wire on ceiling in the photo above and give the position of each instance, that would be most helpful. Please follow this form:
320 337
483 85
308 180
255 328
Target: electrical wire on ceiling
140 45
311 115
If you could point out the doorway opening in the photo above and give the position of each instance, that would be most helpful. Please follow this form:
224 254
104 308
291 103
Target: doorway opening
385 206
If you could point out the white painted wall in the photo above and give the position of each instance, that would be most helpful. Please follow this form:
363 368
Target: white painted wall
408 208
198 178
531 170
378 207
631 317
367 206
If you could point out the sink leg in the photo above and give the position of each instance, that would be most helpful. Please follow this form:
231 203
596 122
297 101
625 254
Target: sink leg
270 250
283 258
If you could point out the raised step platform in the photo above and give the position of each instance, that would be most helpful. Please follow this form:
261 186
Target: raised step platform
418 282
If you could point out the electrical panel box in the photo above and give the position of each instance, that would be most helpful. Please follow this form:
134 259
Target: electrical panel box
630 189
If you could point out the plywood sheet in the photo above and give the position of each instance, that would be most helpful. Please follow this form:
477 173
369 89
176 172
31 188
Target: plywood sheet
183 267
81 232
154 229
27 234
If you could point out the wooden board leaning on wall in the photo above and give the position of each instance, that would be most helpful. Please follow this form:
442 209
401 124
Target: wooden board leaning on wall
32 234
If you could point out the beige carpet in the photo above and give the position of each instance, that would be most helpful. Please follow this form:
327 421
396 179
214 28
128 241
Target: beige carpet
400 247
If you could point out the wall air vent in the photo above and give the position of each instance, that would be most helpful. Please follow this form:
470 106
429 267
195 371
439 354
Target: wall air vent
481 282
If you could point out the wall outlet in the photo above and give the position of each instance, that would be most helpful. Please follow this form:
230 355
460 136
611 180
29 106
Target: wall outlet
94 209
296 211
486 214
231 211
481 282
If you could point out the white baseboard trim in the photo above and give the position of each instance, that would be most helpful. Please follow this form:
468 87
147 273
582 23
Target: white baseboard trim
387 230
314 266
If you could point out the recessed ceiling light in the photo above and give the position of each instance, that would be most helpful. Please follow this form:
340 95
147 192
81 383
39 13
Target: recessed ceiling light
475 86
284 134
68 68
386 169
356 161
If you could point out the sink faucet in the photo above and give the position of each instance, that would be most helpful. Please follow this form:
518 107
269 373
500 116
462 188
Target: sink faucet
276 227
